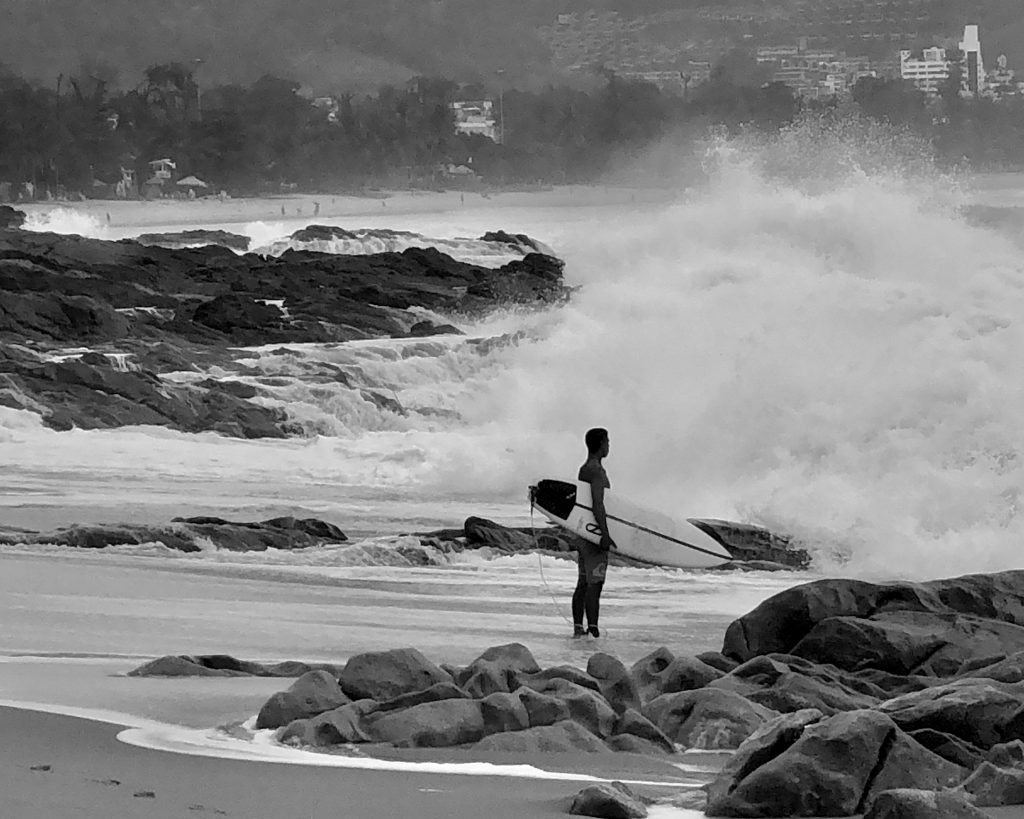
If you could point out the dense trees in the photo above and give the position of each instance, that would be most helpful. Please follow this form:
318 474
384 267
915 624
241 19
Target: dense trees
79 135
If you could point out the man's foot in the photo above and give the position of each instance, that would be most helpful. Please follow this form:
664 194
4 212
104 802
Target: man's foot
578 630
593 632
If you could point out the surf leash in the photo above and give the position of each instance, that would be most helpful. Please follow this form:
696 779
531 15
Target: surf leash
540 565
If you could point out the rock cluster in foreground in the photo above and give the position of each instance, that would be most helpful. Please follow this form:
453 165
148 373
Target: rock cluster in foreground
838 696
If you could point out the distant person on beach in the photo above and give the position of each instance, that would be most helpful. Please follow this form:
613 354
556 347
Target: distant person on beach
593 558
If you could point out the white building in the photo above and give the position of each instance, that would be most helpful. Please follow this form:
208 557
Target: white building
476 117
972 67
928 72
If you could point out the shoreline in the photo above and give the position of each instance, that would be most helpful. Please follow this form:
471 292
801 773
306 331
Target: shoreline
53 765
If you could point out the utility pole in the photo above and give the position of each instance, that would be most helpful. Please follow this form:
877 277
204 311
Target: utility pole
500 73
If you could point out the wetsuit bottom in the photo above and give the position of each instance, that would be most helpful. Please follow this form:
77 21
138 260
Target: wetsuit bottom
586 599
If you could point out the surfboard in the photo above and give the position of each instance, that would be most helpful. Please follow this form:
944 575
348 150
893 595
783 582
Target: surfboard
640 533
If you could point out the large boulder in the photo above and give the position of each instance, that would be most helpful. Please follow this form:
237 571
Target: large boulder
504 712
311 694
781 622
632 723
542 679
567 736
336 727
513 656
382 675
913 803
586 707
617 685
707 719
834 767
481 532
981 712
542 709
611 800
439 724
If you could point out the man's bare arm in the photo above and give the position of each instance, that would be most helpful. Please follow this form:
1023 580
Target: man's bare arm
597 498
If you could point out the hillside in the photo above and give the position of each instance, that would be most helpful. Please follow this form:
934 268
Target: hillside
333 45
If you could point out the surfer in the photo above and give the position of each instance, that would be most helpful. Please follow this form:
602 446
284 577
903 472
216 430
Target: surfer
593 558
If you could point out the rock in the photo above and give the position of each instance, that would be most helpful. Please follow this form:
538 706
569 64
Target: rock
382 675
439 724
636 724
423 329
504 712
187 238
541 679
586 707
542 709
749 543
516 240
180 666
322 530
617 685
787 684
992 787
950 748
994 601
233 312
336 727
716 659
761 747
832 768
661 672
483 678
562 737
982 712
435 693
912 803
514 656
481 532
609 801
707 719
1007 755
311 694
11 218
1004 669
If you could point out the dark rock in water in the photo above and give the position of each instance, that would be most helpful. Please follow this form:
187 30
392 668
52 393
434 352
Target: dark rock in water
321 233
608 801
753 545
185 238
11 218
311 694
189 535
483 532
381 675
913 803
180 666
516 240
232 313
562 737
707 719
423 329
933 627
832 768
991 787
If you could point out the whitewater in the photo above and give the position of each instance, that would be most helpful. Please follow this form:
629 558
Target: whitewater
838 364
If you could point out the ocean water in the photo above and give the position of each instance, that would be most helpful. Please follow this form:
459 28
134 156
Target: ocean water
833 355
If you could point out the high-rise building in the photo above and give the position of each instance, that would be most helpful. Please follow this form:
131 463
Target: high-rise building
972 66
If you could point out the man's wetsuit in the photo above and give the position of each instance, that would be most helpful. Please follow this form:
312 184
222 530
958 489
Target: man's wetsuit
592 562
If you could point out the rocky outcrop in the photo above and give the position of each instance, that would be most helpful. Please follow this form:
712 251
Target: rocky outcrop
195 238
383 675
194 534
913 803
313 693
11 218
125 298
707 719
224 665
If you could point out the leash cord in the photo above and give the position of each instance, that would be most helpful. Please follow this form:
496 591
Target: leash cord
540 565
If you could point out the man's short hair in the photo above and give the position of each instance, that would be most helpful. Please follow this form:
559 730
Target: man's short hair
595 439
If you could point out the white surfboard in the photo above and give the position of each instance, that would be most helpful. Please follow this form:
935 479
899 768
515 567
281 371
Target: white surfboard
639 533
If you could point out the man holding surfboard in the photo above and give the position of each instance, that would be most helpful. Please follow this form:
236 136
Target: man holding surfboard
593 557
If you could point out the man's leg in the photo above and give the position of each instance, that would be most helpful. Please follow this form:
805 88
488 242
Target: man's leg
579 597
592 604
